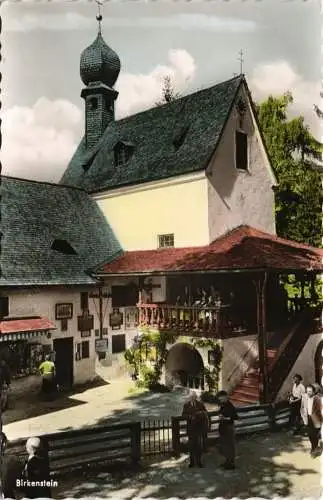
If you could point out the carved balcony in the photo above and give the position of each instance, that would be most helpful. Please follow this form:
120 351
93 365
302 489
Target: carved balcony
206 321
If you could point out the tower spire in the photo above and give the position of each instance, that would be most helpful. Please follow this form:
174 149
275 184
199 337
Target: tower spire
99 15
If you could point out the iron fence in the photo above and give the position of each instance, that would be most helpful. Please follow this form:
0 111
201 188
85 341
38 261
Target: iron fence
156 437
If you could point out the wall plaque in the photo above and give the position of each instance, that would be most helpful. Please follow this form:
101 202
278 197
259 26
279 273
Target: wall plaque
63 311
116 319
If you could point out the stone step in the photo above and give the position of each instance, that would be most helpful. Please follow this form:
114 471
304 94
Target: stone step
244 392
242 401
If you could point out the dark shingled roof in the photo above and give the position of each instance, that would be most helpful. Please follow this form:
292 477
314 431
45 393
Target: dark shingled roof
34 214
152 133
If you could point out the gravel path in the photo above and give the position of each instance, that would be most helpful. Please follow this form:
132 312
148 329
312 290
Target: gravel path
267 466
107 403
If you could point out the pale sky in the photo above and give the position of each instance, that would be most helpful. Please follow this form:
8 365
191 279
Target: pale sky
196 42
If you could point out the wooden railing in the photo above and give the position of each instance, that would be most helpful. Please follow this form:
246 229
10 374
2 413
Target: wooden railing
289 352
91 445
133 441
206 321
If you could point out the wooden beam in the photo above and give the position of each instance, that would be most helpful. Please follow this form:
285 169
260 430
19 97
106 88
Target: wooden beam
260 285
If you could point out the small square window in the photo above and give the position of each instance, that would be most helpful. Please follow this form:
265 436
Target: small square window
241 150
166 240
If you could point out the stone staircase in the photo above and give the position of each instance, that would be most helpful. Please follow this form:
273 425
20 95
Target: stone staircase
247 392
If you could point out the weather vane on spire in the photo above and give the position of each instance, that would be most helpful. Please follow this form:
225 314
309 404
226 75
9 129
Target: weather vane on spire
241 60
99 14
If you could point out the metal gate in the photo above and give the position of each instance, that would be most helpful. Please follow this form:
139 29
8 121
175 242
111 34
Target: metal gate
156 437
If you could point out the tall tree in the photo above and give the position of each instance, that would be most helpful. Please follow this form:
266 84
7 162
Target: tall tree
169 92
299 193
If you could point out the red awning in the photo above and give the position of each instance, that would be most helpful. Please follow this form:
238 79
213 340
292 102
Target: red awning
243 248
22 328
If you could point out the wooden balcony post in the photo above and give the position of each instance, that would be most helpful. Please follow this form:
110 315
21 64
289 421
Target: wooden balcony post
260 285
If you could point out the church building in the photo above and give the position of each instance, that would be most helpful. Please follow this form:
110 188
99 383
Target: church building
165 218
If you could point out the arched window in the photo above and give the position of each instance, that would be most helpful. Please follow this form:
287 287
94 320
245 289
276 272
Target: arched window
93 103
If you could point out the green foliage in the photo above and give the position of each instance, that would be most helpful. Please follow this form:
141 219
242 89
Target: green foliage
299 193
148 357
212 373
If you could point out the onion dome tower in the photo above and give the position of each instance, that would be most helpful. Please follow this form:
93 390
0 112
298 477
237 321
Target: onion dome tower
99 70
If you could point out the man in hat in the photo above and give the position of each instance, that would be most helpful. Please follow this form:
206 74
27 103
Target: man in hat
36 475
195 413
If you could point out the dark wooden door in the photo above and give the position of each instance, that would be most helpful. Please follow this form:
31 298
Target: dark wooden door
64 362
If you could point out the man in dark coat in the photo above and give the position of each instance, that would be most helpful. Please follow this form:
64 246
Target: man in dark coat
227 416
36 475
195 413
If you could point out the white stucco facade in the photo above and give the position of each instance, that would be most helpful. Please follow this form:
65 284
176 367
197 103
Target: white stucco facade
235 196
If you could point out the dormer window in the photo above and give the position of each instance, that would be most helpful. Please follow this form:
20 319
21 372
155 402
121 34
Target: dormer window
123 152
62 246
180 136
241 150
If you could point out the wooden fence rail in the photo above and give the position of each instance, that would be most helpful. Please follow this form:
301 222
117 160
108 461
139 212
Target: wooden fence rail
132 441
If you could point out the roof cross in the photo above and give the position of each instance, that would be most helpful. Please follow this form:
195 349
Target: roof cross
241 60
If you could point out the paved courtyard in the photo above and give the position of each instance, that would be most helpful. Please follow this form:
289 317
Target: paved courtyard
267 466
106 403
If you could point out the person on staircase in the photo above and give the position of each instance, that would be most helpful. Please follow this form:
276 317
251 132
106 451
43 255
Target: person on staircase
227 416
295 399
311 412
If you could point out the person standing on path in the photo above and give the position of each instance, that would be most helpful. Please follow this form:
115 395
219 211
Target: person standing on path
311 412
47 371
227 416
195 413
295 399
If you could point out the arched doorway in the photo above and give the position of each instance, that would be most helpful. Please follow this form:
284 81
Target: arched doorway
184 366
319 363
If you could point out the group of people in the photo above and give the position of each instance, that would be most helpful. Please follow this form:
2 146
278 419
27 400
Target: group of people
198 424
25 480
306 411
